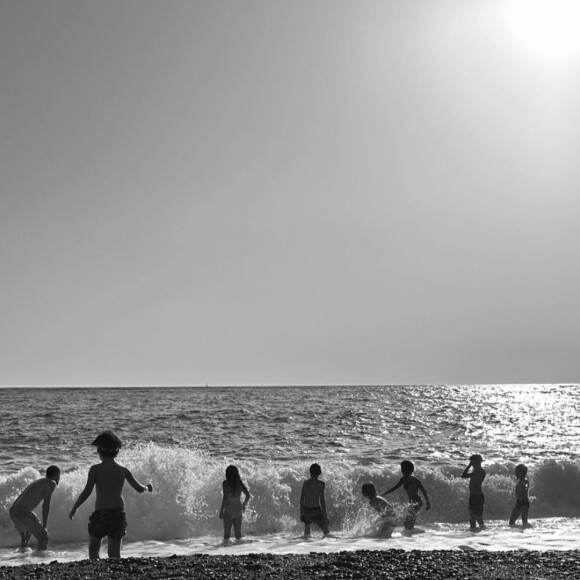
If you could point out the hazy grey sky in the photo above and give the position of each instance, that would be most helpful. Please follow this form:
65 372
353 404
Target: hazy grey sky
285 192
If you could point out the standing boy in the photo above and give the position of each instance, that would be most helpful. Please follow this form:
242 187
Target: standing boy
108 519
22 514
522 500
412 487
476 497
312 504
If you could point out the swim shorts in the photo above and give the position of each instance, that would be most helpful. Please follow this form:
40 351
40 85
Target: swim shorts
313 516
111 522
476 503
520 503
24 519
413 508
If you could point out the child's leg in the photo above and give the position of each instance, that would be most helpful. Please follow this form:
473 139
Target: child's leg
228 521
307 529
515 515
94 547
24 539
41 535
114 547
411 517
472 520
238 527
525 510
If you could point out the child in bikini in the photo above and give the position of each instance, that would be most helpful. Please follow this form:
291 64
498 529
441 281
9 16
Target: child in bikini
232 507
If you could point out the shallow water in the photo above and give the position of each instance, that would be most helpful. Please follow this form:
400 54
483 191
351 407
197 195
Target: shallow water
181 440
555 534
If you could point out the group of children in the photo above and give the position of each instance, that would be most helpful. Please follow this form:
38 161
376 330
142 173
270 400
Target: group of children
108 519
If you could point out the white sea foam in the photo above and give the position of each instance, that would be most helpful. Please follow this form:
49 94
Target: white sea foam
181 515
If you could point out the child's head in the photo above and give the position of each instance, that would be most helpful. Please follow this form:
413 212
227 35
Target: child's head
476 459
521 471
407 467
315 470
53 472
368 490
107 444
232 474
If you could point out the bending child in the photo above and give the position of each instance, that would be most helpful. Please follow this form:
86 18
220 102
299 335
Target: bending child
109 477
522 500
22 511
312 504
232 507
383 508
412 487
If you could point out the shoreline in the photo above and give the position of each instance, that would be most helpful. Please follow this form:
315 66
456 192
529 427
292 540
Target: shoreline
367 564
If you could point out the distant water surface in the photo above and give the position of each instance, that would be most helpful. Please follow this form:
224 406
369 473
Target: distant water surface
369 425
181 440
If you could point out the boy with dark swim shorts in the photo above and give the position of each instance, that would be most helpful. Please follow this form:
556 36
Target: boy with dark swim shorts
108 519
312 504
476 497
412 487
522 500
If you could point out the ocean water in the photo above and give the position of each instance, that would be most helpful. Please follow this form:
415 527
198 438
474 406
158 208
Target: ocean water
182 439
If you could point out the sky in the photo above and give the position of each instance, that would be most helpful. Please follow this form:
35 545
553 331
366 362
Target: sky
287 192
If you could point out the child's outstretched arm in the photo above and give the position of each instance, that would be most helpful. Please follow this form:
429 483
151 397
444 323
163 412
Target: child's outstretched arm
84 494
135 484
395 487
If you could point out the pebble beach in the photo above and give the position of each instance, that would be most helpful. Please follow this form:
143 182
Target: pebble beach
392 564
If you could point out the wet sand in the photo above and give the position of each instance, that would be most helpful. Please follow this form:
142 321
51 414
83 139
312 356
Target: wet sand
392 564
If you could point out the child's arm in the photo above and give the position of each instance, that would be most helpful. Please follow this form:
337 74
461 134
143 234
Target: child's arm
223 506
395 487
46 504
465 474
247 494
302 497
135 484
422 490
85 493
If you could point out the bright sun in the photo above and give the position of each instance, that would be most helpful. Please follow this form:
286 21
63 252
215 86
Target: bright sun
550 28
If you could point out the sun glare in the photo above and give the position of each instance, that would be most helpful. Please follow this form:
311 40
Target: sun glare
550 28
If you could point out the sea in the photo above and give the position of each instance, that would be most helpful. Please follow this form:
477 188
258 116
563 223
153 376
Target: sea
182 439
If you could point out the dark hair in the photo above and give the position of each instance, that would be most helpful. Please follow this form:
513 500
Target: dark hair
233 475
477 458
52 471
107 444
368 490
521 469
315 469
407 467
